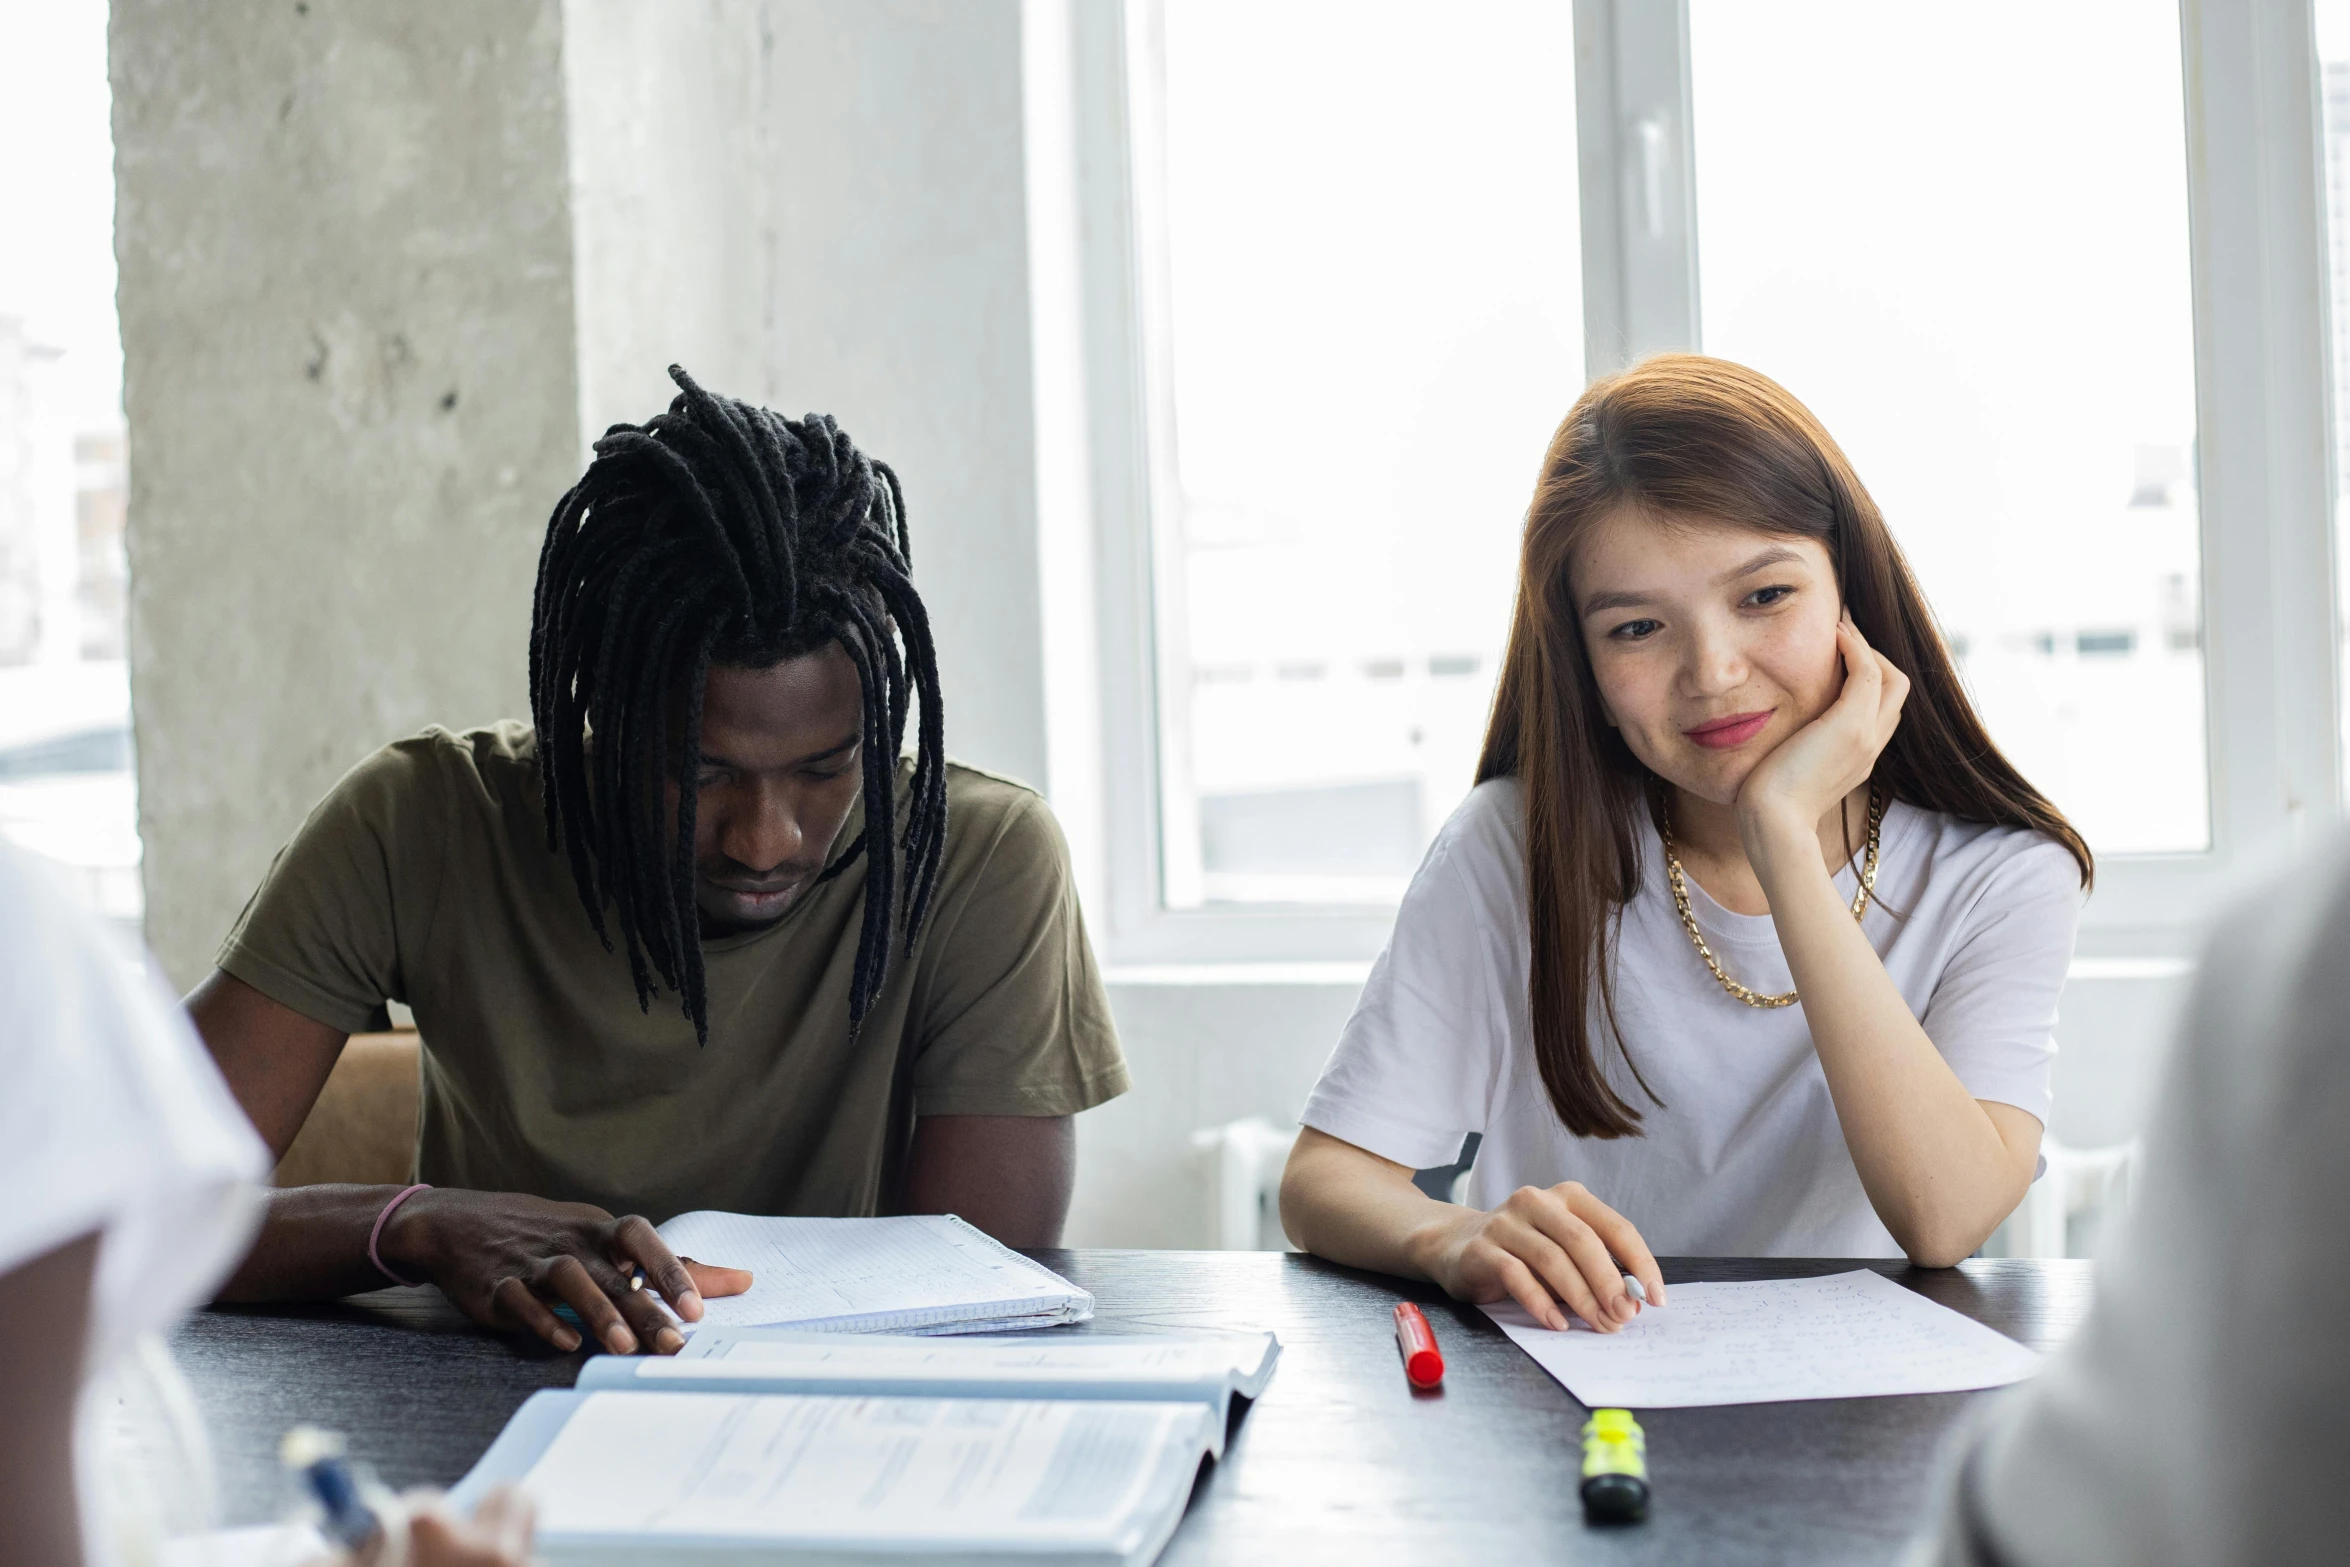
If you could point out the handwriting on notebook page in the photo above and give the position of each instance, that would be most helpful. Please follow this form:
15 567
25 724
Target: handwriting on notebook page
1847 1335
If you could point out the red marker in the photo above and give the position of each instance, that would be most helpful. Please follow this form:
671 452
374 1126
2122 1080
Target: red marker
1423 1362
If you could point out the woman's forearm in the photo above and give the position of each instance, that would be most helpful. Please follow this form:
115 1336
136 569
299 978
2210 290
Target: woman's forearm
1353 1207
1935 1164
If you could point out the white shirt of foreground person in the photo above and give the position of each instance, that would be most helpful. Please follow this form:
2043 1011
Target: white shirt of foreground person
114 1121
2202 1414
1745 1156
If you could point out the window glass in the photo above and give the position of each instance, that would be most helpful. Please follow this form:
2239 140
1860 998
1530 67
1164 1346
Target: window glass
1364 320
65 774
1959 234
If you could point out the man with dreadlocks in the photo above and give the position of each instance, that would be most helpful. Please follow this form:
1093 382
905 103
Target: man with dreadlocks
699 936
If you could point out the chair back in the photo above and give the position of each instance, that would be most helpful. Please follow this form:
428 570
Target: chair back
363 1127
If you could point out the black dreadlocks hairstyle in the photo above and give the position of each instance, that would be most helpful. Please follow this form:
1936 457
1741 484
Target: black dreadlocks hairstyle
722 533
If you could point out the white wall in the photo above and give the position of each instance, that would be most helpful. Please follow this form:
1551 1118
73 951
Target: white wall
666 106
901 307
1201 1055
819 206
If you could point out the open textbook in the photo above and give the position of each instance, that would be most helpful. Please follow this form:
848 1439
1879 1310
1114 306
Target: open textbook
929 1273
1761 1341
1207 1368
738 1477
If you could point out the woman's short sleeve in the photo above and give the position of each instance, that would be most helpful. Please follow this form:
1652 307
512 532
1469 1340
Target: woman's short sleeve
1415 1070
1993 1011
113 1119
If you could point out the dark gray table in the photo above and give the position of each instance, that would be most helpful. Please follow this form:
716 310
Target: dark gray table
1339 1459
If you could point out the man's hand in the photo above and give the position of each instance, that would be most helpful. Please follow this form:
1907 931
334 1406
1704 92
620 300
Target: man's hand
507 1260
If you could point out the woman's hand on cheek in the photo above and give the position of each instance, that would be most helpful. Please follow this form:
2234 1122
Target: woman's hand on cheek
1828 758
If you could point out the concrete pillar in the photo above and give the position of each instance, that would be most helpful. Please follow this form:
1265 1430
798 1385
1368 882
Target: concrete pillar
344 233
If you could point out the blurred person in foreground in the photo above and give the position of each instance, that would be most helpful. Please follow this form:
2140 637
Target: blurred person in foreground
135 1186
2203 1412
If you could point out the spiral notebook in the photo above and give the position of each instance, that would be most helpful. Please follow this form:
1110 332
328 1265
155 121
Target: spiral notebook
921 1274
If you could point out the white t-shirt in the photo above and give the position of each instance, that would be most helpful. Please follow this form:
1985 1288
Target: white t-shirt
1745 1156
112 1119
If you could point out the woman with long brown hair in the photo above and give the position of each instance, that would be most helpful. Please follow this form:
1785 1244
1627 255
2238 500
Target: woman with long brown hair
1748 940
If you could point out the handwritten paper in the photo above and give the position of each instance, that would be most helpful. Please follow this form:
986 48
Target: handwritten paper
1764 1341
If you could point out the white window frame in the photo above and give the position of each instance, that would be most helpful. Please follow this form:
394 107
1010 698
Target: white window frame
2257 220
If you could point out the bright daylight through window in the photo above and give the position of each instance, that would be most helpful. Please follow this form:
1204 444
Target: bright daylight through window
65 776
1971 260
1364 322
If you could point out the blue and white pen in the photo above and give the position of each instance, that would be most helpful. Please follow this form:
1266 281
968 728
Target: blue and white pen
317 1455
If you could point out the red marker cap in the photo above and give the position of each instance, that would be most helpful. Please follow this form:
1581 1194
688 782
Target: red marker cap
1423 1362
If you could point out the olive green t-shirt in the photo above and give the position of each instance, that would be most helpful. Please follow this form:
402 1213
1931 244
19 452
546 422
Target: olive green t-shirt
425 878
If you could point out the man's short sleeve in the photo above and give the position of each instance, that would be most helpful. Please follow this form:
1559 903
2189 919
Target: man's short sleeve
352 891
1010 1011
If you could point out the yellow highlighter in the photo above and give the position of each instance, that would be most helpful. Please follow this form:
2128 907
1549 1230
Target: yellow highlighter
1615 1468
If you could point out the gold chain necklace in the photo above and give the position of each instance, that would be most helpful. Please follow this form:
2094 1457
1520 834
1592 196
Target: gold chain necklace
1680 886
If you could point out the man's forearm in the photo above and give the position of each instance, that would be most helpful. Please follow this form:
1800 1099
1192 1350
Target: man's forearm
313 1246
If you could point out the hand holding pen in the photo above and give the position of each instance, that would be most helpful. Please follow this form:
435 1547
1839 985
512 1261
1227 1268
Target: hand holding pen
1555 1250
374 1528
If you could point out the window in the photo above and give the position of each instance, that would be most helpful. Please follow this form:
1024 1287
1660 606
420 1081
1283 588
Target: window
1363 320
1971 260
65 776
2056 277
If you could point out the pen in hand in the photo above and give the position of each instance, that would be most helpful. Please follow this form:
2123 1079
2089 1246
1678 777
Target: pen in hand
317 1456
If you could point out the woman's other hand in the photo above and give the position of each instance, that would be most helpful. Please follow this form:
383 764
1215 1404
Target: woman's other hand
1547 1248
1827 759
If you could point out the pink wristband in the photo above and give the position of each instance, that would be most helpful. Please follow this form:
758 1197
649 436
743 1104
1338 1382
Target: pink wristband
377 1234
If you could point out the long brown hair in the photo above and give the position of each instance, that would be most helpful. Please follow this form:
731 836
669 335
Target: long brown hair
1686 436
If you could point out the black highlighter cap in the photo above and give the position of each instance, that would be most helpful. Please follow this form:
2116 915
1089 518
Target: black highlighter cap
1615 1498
